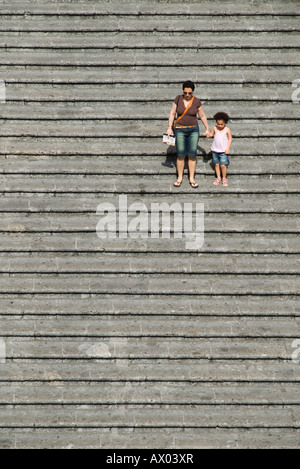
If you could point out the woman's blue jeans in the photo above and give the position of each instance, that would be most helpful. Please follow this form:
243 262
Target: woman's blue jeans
187 141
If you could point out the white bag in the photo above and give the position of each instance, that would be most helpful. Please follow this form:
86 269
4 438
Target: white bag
169 140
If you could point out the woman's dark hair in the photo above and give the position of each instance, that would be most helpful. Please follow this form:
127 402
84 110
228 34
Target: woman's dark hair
221 116
188 84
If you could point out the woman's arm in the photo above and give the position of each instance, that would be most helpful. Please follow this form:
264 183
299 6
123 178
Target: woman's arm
202 116
171 119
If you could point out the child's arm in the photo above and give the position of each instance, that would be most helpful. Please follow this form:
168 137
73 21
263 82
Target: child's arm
211 134
202 116
229 135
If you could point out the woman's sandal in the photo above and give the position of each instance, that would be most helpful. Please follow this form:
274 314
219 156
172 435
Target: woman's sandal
224 182
194 185
217 181
177 183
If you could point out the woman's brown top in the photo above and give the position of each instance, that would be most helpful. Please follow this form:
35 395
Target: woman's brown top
190 117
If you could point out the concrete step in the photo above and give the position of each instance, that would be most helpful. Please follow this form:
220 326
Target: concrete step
146 348
215 202
144 185
148 24
157 76
152 394
274 93
133 416
270 307
102 370
136 128
154 284
202 8
228 223
147 327
241 113
158 41
138 146
240 242
149 264
158 58
214 438
24 165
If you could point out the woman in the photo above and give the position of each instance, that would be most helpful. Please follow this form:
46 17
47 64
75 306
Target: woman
186 130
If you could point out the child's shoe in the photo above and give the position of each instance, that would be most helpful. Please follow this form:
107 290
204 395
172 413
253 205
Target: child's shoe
224 182
217 181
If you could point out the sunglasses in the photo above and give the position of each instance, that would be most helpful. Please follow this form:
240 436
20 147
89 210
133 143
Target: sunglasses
187 92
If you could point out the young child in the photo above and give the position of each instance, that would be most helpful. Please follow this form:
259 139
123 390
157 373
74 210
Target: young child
220 147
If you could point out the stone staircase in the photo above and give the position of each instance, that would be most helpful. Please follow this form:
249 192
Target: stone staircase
141 342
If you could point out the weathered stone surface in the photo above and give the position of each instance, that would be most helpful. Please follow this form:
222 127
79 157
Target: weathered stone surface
258 40
152 263
234 93
135 128
57 372
143 185
96 167
144 343
182 306
148 77
139 146
92 112
112 23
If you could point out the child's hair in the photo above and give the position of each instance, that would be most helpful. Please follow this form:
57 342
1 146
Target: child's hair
221 116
